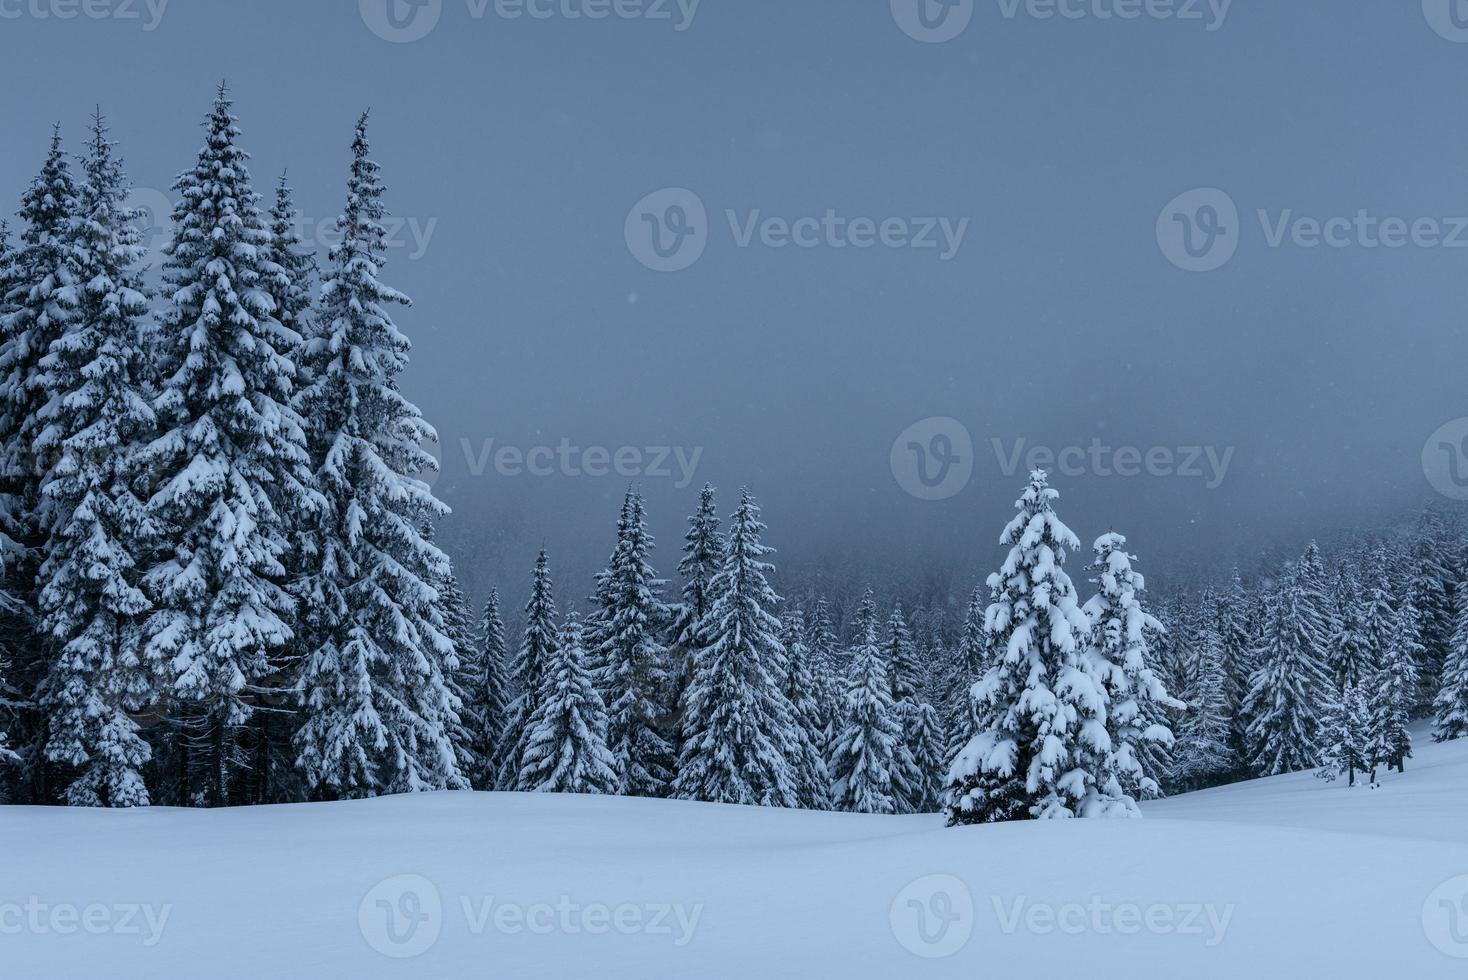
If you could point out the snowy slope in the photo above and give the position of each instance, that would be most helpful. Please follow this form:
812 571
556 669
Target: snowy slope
1301 878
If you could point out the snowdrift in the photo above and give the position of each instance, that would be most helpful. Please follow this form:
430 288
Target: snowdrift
1279 877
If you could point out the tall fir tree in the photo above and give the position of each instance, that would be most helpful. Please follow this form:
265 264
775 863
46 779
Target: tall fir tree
1039 712
703 555
1394 694
736 735
95 411
928 745
566 747
1451 706
1205 752
866 752
970 666
1346 735
1287 690
903 675
634 660
536 650
379 712
813 781
1120 632
230 477
485 682
41 301
1430 591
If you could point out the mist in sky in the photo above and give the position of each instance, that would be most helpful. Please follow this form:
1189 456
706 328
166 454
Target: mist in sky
1207 264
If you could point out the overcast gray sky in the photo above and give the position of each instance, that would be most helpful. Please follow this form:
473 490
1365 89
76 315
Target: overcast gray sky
1040 156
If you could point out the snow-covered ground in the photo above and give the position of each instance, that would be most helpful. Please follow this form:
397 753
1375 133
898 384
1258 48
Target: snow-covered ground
1283 877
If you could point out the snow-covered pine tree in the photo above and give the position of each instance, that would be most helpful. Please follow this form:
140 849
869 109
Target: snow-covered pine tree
1351 656
485 683
272 728
928 745
830 679
735 717
1237 652
95 410
40 304
1039 712
1120 629
970 664
1430 591
528 671
1394 690
458 626
813 781
379 713
703 555
634 661
866 752
1345 736
1286 692
230 477
903 673
1451 706
566 735
1205 751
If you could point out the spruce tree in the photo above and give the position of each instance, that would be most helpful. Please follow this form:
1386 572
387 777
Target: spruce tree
928 745
566 735
866 752
634 661
822 641
42 294
1394 690
908 779
1039 713
1287 690
230 479
379 711
735 717
1346 739
485 684
1120 630
1205 750
1430 591
970 664
1451 706
813 781
529 670
95 410
703 555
